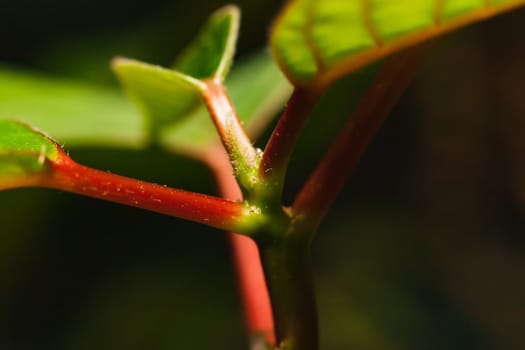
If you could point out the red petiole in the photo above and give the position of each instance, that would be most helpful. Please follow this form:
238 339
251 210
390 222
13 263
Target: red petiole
323 186
281 144
70 176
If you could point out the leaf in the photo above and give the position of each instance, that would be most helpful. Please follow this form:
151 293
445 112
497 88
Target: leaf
73 112
258 91
24 152
210 55
318 41
162 95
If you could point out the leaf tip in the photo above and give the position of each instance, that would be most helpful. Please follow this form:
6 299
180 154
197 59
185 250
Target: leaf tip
231 10
119 61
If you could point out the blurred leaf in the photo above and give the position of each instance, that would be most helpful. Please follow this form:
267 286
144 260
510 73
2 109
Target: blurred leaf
258 91
317 42
211 53
74 113
84 114
23 152
162 95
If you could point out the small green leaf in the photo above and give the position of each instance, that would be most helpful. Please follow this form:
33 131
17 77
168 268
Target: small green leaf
318 41
162 95
165 96
258 91
73 112
23 151
210 55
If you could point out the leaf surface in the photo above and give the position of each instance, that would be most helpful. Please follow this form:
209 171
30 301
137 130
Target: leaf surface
318 41
210 54
162 95
24 152
75 113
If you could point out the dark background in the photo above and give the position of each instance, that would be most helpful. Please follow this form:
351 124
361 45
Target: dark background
424 249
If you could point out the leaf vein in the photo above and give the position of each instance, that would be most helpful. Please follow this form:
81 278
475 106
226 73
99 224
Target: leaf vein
438 12
309 37
369 24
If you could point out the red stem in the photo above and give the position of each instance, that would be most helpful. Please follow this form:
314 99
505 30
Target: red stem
281 144
216 212
321 189
250 276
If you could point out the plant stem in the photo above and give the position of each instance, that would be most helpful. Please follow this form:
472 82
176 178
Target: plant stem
284 137
212 211
321 189
254 291
242 154
250 276
287 265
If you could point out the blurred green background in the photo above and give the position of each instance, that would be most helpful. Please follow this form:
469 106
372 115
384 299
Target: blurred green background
424 249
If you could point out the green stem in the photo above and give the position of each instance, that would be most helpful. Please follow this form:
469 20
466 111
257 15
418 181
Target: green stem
243 155
286 259
287 266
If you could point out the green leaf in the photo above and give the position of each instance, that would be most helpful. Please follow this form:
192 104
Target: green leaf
210 55
23 152
318 41
165 96
258 91
73 112
162 95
